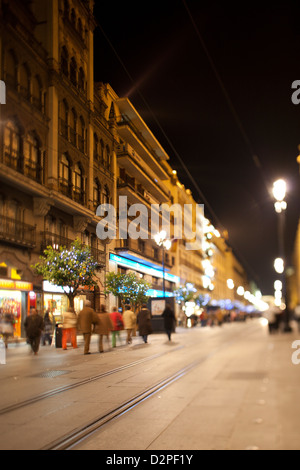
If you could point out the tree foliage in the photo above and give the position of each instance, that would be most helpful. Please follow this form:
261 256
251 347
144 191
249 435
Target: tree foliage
186 293
129 288
70 269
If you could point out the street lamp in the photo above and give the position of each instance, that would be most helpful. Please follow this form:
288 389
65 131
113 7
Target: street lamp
162 241
279 265
279 193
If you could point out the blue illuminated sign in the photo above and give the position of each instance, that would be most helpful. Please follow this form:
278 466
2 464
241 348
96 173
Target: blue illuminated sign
142 268
159 293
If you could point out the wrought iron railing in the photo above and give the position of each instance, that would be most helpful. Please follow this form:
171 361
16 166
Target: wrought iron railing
18 233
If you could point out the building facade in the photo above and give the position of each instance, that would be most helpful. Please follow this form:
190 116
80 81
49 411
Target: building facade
69 145
57 159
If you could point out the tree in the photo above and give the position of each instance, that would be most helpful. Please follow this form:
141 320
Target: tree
186 293
70 269
129 288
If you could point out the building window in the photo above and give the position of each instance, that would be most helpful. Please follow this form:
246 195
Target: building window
101 151
81 80
73 126
31 156
96 148
64 117
97 193
12 142
78 189
64 61
73 71
81 135
107 158
66 9
37 93
73 17
64 175
106 195
62 229
80 28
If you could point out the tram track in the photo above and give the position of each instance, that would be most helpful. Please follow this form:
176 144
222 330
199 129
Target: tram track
88 380
76 437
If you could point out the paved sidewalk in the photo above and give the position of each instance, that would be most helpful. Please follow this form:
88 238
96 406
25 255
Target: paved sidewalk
244 398
243 395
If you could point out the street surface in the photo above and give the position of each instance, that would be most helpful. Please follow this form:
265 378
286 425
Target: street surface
231 387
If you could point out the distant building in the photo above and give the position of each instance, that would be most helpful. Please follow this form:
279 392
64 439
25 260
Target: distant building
69 145
294 279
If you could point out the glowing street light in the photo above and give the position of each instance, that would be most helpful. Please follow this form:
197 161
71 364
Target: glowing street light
278 285
240 291
279 265
161 240
279 190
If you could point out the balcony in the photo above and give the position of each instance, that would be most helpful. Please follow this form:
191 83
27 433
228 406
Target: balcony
17 162
73 192
138 139
99 256
143 248
135 193
17 233
132 163
55 241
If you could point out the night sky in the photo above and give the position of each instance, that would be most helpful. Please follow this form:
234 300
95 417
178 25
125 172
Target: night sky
213 81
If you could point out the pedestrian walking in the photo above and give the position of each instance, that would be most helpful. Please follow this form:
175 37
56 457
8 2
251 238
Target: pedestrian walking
48 329
69 332
86 319
272 315
34 325
118 325
169 320
129 320
144 323
7 327
105 325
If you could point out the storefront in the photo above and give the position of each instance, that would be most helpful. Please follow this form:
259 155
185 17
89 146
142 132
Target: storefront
56 301
149 271
15 301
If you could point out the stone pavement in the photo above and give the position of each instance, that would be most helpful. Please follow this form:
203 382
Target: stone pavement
243 395
245 398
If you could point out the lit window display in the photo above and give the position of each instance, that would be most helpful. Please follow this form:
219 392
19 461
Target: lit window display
56 304
11 304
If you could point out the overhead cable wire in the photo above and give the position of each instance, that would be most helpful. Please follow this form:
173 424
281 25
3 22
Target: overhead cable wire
190 176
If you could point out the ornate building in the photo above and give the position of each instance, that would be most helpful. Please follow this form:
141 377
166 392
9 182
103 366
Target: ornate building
68 145
57 157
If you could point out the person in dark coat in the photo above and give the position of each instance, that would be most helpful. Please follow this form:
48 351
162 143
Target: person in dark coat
86 319
34 325
144 323
104 327
169 320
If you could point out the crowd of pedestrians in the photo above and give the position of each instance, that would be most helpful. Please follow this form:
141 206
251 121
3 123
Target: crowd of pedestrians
88 322
106 325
